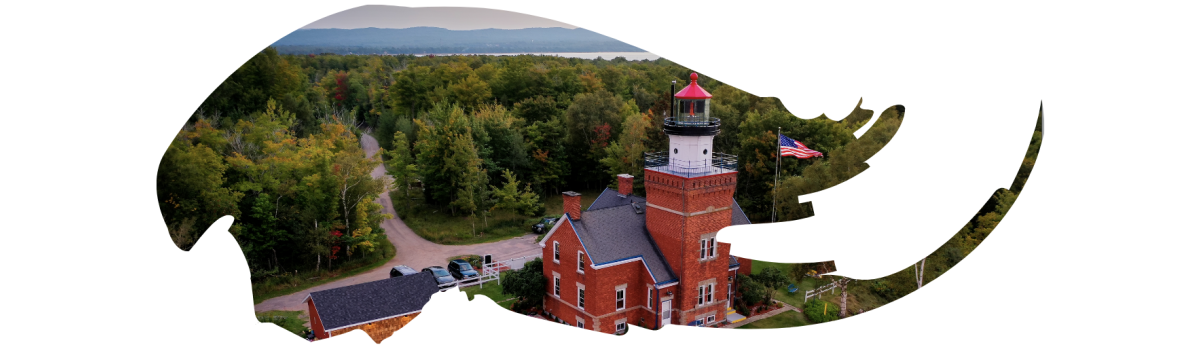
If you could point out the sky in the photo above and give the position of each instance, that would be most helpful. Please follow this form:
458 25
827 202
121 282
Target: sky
453 18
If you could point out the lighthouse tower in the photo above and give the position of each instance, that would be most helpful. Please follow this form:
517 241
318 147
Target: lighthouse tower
689 197
691 130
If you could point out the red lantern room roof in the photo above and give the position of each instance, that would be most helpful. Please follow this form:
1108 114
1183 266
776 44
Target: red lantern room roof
693 91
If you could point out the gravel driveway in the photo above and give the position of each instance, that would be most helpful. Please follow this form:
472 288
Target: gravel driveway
411 249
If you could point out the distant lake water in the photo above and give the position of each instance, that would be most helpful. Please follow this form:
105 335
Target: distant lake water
633 56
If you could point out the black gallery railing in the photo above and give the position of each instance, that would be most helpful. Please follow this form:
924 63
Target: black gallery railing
662 161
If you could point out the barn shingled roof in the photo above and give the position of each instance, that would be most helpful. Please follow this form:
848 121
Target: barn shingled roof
373 301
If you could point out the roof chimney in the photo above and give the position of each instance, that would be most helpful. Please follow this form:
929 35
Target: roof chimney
571 204
624 184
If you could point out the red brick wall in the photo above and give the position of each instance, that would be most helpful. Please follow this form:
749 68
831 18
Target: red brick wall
679 237
715 191
624 184
569 247
745 266
571 204
665 229
599 286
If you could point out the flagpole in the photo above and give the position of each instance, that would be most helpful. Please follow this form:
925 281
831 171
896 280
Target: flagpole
778 154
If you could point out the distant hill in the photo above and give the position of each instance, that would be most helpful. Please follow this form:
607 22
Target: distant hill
426 40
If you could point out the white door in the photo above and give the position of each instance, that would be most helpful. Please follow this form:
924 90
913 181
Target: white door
728 295
666 312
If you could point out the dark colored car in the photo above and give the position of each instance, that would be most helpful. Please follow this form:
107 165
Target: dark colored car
443 277
402 270
462 270
545 225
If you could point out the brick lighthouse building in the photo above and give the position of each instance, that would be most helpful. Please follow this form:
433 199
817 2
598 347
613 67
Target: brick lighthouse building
651 261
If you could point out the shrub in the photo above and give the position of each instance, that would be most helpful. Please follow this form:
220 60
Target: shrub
816 312
884 289
752 291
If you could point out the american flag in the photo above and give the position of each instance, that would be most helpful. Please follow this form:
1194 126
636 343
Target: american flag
790 147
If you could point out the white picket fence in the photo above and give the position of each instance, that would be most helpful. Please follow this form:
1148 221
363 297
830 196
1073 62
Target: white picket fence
817 292
491 271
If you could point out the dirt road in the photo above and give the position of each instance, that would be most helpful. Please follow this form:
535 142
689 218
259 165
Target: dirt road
411 249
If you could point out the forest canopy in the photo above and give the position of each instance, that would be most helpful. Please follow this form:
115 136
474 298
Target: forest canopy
278 144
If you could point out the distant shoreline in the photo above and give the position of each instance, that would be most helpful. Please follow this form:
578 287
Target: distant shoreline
633 56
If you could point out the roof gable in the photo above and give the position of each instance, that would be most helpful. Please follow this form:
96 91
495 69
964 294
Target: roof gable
372 301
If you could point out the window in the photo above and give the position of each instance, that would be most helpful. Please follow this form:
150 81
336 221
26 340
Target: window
557 285
711 319
708 248
581 261
620 299
649 296
556 252
708 298
621 326
700 320
581 297
579 323
700 300
712 247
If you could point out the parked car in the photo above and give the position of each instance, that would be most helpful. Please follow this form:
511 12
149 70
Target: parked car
545 225
462 270
402 270
443 277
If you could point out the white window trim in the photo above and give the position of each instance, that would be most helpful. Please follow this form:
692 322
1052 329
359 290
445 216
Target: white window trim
705 295
557 285
622 296
710 319
556 253
712 247
650 297
579 322
621 322
582 263
580 296
708 248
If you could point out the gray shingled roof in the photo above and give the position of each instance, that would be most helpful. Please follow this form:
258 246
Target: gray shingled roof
739 217
617 233
612 231
612 198
371 301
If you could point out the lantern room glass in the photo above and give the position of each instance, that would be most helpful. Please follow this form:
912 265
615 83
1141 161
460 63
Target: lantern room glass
691 112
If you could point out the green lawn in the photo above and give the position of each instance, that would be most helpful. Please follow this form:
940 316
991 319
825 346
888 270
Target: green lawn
782 320
438 225
493 291
797 299
757 266
291 283
293 321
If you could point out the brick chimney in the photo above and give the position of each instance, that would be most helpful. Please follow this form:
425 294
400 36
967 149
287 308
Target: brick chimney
624 184
571 204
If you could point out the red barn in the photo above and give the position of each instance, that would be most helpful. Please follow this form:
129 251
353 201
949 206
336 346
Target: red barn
652 261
